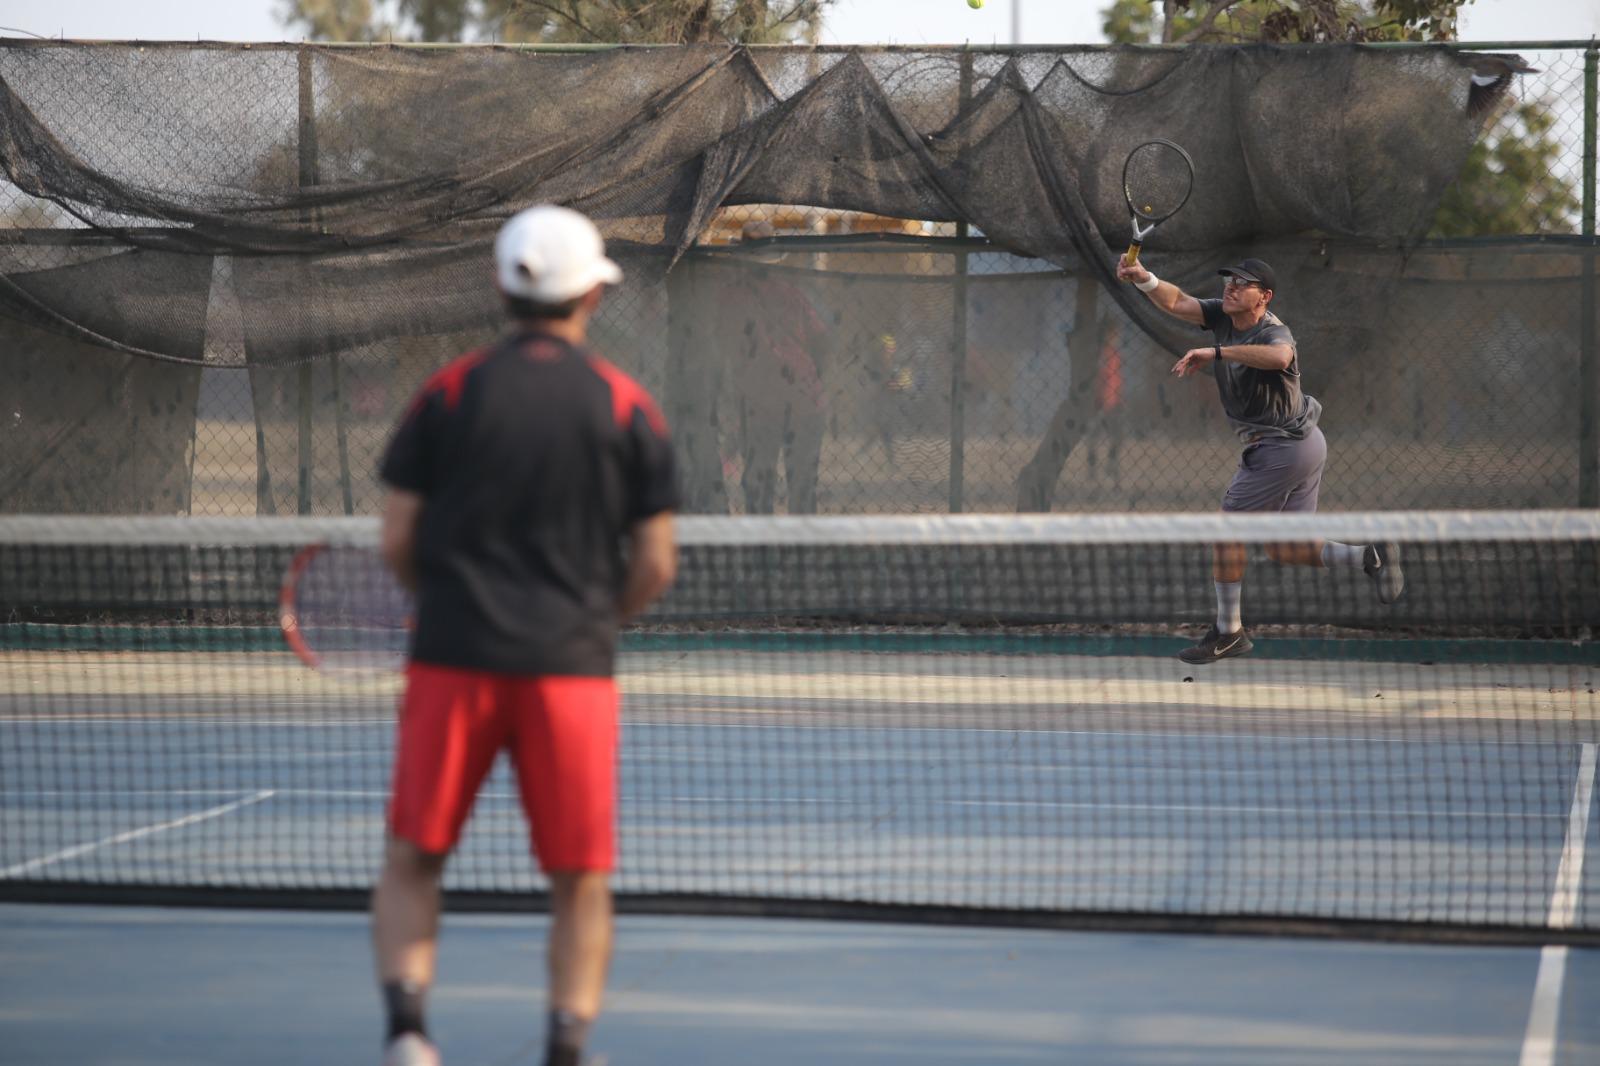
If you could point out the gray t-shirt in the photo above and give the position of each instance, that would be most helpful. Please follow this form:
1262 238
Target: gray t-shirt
1260 403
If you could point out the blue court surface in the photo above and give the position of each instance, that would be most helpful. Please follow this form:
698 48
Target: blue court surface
142 987
1398 793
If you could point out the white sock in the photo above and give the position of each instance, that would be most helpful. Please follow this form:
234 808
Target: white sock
1336 554
1228 596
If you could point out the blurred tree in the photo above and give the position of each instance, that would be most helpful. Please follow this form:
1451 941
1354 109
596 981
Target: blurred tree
1232 21
560 21
330 20
1509 185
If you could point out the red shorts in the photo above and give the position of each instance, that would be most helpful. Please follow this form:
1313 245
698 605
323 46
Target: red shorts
562 736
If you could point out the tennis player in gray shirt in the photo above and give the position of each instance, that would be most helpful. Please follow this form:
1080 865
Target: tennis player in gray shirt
1257 369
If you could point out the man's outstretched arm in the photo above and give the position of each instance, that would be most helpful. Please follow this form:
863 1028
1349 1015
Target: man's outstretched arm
1167 296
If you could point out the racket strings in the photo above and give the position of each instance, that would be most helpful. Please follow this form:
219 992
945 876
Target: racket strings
349 612
1156 181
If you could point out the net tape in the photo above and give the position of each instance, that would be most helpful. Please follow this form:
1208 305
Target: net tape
910 530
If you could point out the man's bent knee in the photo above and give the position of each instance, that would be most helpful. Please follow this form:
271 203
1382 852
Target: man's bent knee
403 857
571 880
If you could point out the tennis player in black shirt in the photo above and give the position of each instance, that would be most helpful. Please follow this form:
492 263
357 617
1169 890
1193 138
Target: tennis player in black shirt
1256 364
530 508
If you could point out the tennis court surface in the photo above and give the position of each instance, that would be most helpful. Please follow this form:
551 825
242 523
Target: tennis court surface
948 721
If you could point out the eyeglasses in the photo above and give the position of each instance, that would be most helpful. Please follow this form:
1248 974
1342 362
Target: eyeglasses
1237 283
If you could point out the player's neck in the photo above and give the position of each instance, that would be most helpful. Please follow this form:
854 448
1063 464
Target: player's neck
1245 319
574 330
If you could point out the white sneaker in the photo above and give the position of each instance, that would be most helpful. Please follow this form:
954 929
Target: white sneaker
410 1049
1382 563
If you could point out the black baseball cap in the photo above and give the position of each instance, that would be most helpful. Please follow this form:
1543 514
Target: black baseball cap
1253 270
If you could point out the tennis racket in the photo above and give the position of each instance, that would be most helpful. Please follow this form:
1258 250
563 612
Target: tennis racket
342 612
1156 181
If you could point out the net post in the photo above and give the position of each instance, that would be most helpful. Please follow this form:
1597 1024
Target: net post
1589 400
958 339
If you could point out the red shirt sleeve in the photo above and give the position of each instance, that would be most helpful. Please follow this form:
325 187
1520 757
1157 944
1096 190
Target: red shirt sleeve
652 468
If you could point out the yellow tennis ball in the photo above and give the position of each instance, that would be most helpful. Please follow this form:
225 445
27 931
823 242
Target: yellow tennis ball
974 4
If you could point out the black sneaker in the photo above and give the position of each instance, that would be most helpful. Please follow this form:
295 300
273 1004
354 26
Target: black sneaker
563 1055
1382 563
1214 646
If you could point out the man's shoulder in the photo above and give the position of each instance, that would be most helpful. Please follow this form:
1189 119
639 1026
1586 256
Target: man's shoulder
447 382
627 395
1271 324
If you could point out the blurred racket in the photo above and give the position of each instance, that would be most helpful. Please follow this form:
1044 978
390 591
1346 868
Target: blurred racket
342 611
1156 181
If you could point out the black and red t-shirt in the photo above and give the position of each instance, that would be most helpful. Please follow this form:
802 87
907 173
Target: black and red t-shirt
533 458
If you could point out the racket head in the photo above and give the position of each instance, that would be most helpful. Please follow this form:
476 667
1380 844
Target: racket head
1157 178
343 613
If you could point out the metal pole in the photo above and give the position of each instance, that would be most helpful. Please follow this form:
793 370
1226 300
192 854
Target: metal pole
341 434
1589 400
958 343
308 176
1016 22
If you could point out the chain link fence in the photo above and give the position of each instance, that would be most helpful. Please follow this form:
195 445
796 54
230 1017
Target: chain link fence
909 365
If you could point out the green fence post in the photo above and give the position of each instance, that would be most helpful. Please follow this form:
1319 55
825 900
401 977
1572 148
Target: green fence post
307 144
309 178
958 341
1589 417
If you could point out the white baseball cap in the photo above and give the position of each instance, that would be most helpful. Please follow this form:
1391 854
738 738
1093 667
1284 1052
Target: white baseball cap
551 254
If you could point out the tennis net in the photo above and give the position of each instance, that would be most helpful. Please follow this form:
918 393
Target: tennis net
975 718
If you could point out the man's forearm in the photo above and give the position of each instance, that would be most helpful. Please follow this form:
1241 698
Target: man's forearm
1261 356
652 564
398 536
1165 296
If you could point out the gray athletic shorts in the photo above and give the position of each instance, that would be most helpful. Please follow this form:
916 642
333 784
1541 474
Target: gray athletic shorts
1278 474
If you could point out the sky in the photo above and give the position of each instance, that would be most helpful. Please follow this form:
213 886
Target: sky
849 22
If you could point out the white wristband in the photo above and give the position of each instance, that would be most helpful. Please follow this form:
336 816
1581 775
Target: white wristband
1148 284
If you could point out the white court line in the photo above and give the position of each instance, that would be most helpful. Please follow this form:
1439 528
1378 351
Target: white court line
1189 737
1309 811
132 834
1539 1042
52 793
163 718
1485 741
731 799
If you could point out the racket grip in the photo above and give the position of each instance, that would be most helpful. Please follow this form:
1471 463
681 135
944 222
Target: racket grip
1132 255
